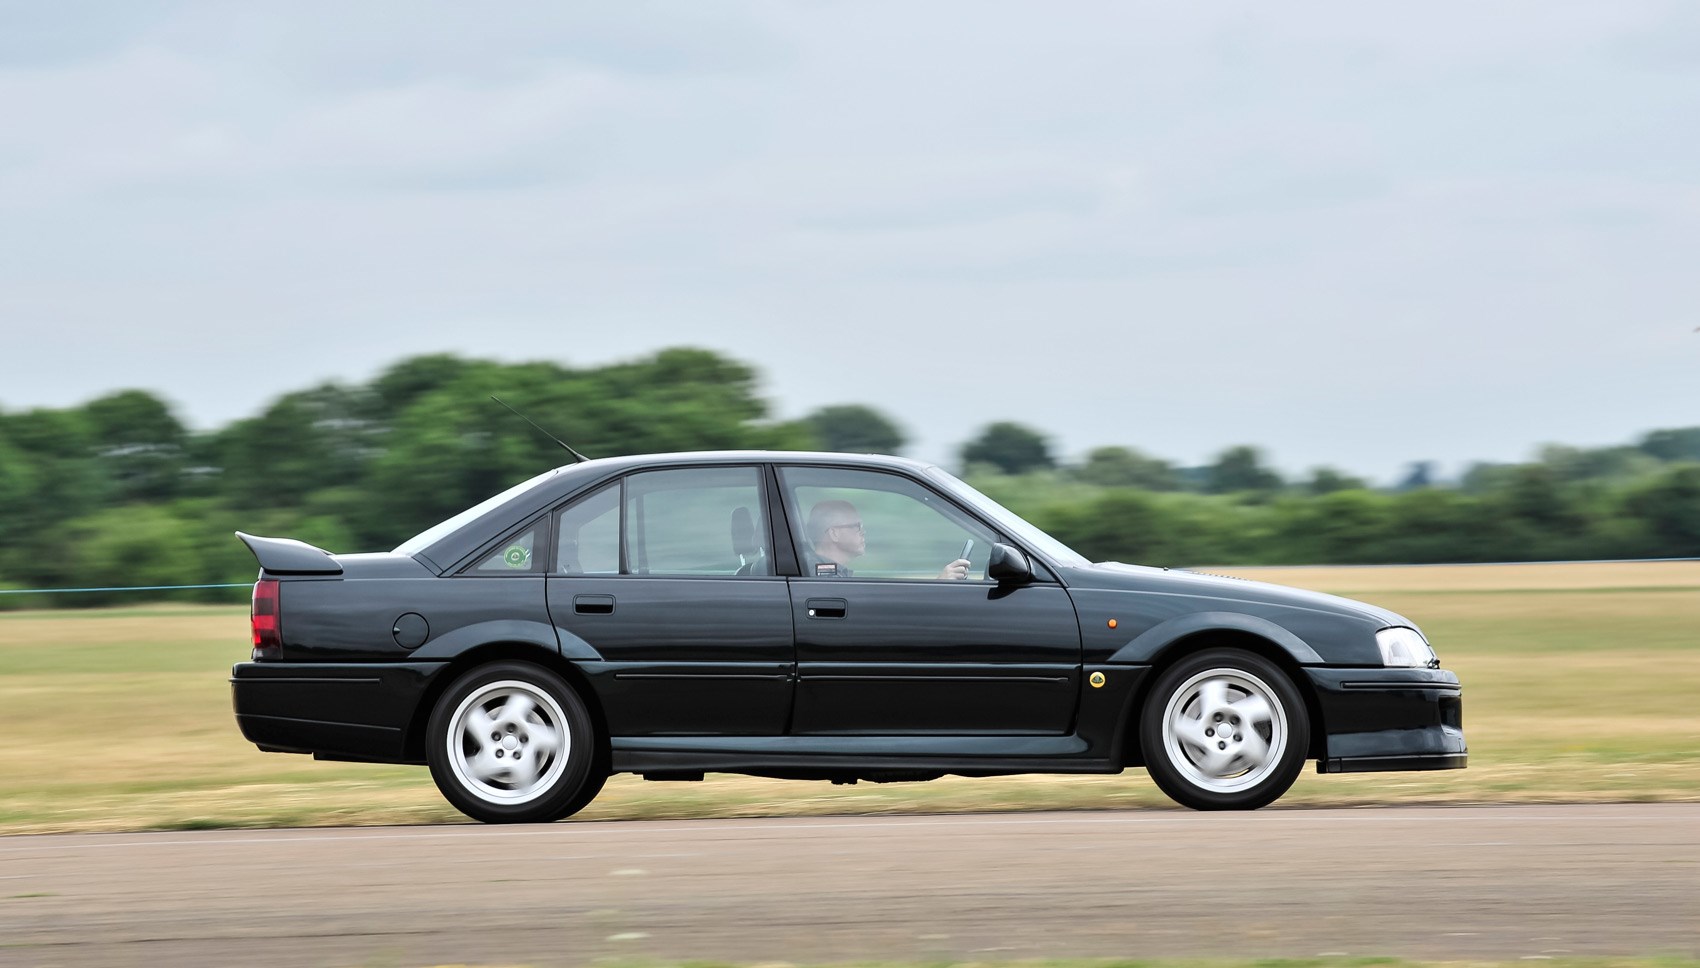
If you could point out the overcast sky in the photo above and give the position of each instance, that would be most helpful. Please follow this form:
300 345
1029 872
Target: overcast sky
1355 234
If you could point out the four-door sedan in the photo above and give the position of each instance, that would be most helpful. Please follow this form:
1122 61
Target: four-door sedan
811 616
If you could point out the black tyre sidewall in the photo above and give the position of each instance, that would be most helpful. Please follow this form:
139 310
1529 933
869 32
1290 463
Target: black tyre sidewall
583 752
587 792
1182 790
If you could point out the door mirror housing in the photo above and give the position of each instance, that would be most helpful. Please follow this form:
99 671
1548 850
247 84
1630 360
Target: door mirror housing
1008 565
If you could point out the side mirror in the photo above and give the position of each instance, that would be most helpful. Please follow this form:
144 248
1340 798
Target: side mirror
1008 566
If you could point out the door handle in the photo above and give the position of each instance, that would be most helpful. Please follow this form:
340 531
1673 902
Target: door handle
593 604
827 607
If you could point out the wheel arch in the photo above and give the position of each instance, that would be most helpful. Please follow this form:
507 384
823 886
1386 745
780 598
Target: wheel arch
1220 638
414 745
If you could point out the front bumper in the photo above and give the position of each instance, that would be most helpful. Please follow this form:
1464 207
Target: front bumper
335 710
1390 719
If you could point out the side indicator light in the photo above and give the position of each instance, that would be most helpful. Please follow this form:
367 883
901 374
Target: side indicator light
1112 623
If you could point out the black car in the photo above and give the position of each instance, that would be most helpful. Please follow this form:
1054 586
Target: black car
811 616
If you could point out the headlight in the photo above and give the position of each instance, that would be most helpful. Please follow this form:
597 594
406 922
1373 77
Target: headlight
1406 648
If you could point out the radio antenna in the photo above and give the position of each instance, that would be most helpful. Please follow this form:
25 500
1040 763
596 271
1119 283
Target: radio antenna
569 448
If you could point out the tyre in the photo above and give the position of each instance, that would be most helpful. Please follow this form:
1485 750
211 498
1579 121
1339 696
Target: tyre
511 742
1224 730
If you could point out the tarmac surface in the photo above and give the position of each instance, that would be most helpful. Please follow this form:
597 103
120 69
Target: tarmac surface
1507 883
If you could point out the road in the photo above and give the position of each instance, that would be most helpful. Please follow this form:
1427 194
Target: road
1439 883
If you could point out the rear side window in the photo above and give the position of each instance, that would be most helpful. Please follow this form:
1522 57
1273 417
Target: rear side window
514 557
588 538
696 521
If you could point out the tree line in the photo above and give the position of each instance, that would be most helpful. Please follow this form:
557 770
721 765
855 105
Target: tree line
118 492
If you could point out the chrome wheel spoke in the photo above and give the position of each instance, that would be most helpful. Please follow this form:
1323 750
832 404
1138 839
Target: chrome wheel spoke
1215 762
479 725
1253 747
517 710
523 772
484 766
1252 709
1191 732
1212 698
544 741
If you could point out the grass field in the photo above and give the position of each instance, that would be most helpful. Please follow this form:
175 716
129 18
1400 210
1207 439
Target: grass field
1582 682
1163 963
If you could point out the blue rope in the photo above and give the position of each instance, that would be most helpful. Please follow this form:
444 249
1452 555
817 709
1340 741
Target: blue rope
134 588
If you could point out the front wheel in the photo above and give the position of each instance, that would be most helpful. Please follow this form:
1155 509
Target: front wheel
1224 730
511 742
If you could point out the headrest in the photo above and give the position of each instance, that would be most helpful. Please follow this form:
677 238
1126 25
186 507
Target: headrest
744 533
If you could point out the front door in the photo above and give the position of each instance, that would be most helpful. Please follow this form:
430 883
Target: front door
667 575
891 641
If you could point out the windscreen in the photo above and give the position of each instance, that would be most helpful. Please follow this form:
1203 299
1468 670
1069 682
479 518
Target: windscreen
1008 520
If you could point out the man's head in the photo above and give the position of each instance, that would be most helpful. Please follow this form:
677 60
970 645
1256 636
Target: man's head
835 530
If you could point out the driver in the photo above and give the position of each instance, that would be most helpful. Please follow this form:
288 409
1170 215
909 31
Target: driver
836 536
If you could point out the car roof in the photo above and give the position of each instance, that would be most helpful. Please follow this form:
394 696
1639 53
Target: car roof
747 457
570 479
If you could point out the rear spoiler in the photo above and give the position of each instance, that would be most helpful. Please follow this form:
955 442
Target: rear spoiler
286 556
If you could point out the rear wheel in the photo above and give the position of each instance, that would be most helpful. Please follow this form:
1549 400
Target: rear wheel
511 742
1224 730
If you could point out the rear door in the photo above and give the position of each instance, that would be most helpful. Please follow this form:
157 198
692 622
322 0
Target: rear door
667 575
885 645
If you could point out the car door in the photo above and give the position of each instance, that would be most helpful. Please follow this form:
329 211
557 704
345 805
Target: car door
666 574
887 645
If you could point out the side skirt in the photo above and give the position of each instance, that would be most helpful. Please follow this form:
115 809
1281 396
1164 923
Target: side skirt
852 757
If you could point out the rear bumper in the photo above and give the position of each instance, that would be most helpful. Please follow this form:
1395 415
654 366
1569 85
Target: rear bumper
1390 719
359 711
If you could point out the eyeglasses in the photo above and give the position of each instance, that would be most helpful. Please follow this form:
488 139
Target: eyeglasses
857 525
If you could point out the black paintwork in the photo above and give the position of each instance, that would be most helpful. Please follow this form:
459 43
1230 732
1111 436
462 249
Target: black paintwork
791 676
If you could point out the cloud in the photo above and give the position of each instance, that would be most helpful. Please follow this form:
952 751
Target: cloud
1212 223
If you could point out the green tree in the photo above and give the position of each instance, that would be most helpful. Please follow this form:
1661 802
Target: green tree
1344 527
452 447
1327 480
17 488
1483 478
1010 447
1241 469
303 442
1670 508
140 443
1533 495
1418 475
1126 467
54 474
1573 464
1673 445
122 547
1438 525
1119 526
412 378
854 428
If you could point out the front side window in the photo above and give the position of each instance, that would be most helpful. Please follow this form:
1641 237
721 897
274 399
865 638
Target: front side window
866 524
696 521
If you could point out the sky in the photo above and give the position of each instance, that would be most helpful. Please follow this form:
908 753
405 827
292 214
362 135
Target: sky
1352 234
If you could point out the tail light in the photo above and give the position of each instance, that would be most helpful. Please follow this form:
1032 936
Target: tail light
265 619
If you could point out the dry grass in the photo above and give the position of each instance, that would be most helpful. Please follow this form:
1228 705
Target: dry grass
1528 576
1581 688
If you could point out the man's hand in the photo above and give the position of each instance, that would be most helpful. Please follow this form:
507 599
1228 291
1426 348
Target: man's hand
956 570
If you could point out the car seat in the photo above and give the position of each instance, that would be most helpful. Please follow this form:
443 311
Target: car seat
745 544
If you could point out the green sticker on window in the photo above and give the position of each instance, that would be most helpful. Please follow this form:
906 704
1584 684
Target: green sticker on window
517 557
